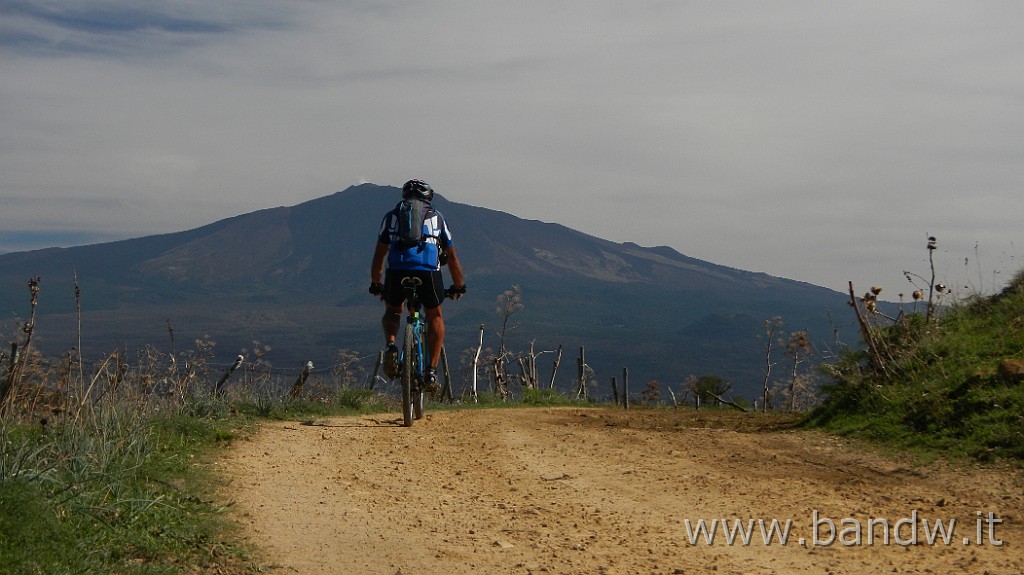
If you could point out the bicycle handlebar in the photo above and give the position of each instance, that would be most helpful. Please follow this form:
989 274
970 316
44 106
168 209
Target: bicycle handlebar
455 292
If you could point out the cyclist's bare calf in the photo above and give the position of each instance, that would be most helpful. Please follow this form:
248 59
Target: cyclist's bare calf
435 335
392 322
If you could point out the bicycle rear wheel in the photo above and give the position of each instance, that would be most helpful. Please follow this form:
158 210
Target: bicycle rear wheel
418 401
418 395
408 375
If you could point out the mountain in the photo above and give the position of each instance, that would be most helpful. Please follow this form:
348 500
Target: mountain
295 278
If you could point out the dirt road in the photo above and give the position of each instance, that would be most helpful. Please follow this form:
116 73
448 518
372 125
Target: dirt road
551 491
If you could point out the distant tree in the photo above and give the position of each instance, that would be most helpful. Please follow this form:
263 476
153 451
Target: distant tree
798 349
651 394
706 388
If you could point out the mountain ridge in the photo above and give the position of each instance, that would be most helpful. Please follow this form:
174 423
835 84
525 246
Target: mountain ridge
297 275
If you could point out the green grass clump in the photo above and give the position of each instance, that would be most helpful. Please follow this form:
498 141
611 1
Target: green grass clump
346 401
117 491
940 390
546 397
26 521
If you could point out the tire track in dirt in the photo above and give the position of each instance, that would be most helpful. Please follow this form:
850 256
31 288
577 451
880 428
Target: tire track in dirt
568 490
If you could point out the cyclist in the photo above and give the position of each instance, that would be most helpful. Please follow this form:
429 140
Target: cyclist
424 261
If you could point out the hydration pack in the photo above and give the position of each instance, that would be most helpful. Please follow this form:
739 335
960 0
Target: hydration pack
411 215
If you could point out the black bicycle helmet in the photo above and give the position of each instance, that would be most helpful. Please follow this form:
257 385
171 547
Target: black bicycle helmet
417 189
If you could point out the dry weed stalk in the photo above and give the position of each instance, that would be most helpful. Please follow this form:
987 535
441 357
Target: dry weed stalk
78 311
798 349
20 358
771 327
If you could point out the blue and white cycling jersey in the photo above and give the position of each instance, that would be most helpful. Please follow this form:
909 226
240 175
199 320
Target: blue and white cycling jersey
423 257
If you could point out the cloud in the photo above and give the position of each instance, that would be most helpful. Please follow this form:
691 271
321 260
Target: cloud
120 28
817 141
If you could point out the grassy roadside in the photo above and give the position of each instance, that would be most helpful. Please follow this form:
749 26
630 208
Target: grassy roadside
122 482
951 386
118 493
127 488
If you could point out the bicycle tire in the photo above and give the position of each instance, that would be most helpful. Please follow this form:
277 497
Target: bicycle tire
408 361
418 404
419 397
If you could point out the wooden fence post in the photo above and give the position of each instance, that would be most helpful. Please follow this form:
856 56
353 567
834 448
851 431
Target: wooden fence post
581 374
301 380
446 389
524 368
476 365
500 386
615 391
376 369
224 378
554 370
625 388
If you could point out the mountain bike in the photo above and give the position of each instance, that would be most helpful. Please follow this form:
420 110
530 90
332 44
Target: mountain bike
413 357
413 360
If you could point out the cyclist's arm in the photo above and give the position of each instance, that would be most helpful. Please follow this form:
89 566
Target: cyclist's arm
454 267
377 265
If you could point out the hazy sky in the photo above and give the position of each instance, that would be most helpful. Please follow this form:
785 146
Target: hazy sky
818 141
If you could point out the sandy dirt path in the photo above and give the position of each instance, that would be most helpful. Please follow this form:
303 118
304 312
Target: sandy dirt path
565 490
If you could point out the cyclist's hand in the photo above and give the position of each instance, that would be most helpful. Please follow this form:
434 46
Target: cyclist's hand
377 289
455 292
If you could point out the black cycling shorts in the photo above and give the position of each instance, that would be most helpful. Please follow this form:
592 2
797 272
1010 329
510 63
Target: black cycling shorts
431 291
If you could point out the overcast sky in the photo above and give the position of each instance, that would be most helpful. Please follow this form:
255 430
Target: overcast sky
818 141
